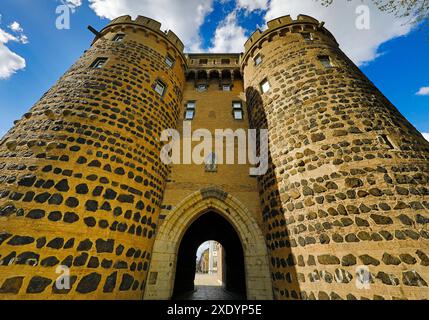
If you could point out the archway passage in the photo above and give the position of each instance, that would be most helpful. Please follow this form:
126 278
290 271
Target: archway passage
211 226
162 270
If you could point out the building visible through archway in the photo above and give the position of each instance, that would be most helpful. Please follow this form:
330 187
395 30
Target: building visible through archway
211 226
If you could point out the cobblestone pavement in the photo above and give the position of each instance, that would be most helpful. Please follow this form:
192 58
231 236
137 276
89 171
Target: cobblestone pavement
207 287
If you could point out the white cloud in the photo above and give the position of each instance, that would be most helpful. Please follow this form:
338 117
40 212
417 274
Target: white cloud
73 3
229 36
10 62
360 45
183 17
426 135
16 27
252 5
424 91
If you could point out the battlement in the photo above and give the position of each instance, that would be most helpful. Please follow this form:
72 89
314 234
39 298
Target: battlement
150 24
282 22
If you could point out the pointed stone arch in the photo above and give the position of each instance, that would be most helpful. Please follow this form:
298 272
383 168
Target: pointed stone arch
162 270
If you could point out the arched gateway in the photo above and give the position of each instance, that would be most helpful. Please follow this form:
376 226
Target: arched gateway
165 252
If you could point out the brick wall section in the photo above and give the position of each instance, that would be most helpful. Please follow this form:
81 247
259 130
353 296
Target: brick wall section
348 179
81 182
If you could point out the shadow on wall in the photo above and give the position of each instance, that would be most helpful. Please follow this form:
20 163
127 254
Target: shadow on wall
282 261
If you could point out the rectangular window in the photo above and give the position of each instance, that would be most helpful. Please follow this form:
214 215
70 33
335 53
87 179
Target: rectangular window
225 61
169 61
237 110
99 63
201 87
325 61
226 87
307 36
190 110
204 61
160 87
265 86
119 37
258 60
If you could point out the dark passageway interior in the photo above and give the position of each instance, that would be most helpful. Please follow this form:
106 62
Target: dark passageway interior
210 226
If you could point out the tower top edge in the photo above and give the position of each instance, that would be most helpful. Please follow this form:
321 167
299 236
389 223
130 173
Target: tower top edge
150 24
283 21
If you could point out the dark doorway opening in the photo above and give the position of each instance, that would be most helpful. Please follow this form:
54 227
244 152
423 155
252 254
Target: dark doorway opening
210 226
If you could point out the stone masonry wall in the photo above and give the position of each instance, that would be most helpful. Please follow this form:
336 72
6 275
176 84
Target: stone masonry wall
81 182
349 176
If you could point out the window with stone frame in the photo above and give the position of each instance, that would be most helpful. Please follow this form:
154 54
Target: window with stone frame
190 110
211 163
326 61
99 63
307 36
258 60
202 87
265 86
160 87
237 110
119 37
169 61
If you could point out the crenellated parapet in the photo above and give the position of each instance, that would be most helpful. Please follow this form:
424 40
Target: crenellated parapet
149 26
279 27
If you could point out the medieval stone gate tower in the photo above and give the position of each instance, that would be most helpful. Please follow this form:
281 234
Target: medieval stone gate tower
82 184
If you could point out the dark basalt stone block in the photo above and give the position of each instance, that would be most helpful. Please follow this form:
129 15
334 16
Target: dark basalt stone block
38 284
27 181
50 261
105 246
110 283
62 186
70 217
36 214
20 240
85 245
56 243
56 199
12 285
27 258
126 283
89 283
4 236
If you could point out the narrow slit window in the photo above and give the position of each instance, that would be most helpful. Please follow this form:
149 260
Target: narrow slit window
160 87
326 61
258 60
99 63
190 110
237 110
119 37
265 86
169 61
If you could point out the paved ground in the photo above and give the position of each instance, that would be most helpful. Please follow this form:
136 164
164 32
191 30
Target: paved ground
207 280
207 287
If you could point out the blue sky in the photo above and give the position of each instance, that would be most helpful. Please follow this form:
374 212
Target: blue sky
34 53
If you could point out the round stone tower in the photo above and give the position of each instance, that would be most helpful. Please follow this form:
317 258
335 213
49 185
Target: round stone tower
81 182
346 199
